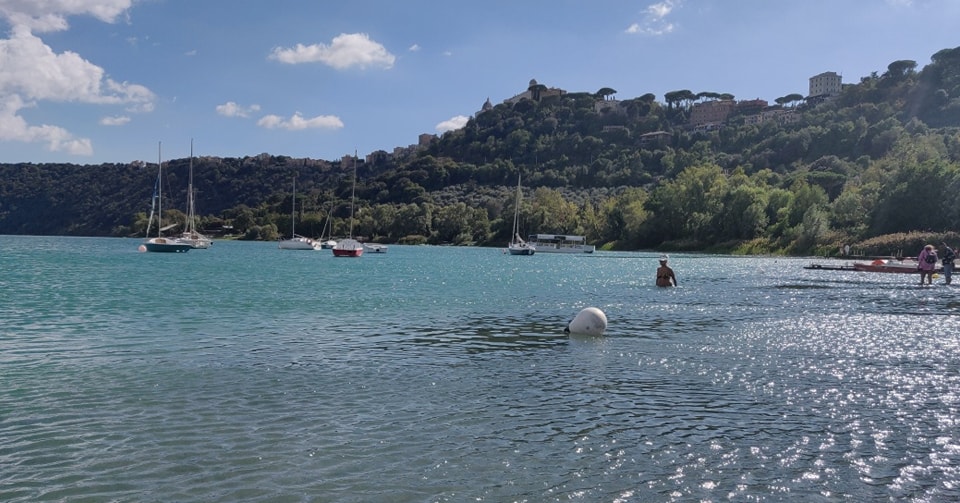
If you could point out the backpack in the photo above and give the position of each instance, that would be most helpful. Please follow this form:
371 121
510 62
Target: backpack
931 258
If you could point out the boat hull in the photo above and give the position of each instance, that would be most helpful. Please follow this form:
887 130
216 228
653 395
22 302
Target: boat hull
521 249
299 243
559 243
574 249
348 248
196 242
164 245
374 248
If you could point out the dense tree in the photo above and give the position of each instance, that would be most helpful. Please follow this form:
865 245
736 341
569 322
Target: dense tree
634 175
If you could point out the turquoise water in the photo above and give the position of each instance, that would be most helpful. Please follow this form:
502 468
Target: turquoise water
247 373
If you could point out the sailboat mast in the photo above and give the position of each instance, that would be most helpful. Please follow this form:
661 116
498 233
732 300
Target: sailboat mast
353 191
159 189
293 211
516 214
191 225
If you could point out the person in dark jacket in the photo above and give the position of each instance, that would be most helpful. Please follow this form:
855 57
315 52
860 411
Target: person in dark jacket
949 255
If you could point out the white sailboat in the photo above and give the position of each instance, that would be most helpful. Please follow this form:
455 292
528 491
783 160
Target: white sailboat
160 243
297 242
350 247
517 245
327 231
190 234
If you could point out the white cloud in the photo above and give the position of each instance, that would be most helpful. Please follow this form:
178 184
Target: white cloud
30 68
31 73
14 128
660 10
51 15
452 123
115 120
414 48
345 51
654 21
232 109
298 122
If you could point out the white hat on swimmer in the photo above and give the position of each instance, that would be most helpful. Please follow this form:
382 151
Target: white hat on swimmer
663 258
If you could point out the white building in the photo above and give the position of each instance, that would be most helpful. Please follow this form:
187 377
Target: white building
825 84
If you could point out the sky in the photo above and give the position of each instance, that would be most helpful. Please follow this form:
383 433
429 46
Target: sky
103 81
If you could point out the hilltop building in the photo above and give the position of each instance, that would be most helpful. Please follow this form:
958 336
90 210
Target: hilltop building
609 105
536 91
425 139
826 84
486 105
709 113
751 107
780 115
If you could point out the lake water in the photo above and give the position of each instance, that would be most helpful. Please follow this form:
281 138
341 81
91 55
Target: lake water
434 374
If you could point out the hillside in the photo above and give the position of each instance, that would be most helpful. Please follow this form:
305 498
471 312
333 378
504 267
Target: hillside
629 174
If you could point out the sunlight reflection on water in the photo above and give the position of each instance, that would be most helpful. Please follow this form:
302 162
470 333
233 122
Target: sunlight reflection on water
443 374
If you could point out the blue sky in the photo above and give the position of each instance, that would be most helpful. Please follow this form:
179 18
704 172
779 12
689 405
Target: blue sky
93 81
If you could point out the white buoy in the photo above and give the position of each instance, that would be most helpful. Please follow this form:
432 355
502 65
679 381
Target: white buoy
589 321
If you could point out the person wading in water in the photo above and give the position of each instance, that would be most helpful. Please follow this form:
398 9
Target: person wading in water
665 275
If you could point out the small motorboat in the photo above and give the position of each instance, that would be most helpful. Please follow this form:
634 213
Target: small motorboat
374 248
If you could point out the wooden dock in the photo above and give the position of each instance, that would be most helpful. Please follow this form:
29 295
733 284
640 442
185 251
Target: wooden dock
830 267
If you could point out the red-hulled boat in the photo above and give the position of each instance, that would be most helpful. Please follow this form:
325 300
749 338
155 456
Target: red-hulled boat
348 248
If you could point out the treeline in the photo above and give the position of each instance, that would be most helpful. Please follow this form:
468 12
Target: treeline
882 158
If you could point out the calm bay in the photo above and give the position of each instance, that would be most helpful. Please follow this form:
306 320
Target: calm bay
434 374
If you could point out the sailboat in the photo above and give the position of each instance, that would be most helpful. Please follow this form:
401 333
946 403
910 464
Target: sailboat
327 231
350 247
517 245
160 243
190 234
297 242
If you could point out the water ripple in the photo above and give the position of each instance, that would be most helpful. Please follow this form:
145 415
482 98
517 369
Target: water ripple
446 376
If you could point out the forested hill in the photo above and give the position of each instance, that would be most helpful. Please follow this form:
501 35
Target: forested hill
800 176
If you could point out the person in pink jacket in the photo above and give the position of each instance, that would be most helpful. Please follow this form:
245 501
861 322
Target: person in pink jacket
927 263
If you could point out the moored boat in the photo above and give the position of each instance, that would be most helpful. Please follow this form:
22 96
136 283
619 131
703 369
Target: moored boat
374 248
517 246
329 243
191 235
560 243
350 247
296 241
166 245
159 243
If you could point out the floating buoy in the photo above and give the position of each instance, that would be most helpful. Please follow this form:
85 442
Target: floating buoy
142 248
589 321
